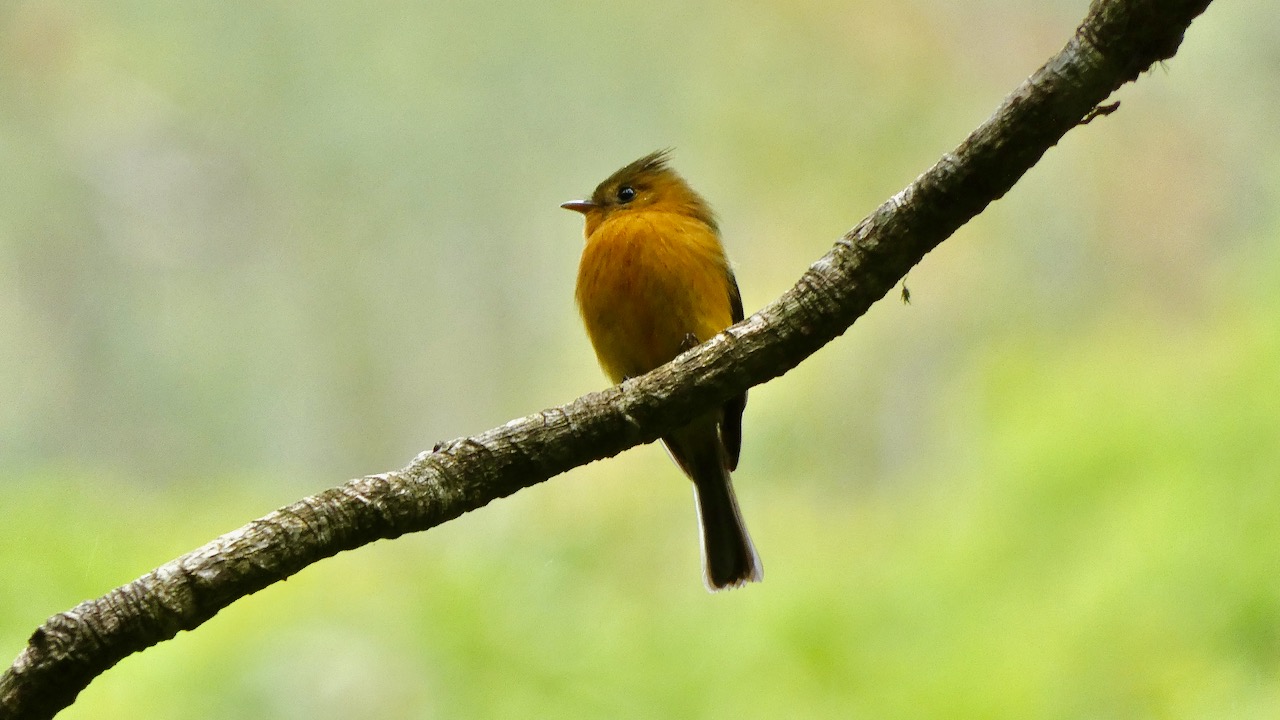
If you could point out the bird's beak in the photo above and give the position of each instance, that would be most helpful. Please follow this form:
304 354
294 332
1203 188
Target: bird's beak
582 206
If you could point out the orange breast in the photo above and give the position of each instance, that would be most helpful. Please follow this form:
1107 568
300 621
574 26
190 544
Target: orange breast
647 280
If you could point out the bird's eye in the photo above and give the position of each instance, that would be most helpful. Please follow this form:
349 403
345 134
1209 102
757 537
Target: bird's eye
626 194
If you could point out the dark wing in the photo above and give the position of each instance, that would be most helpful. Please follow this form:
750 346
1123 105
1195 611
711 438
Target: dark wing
731 424
735 297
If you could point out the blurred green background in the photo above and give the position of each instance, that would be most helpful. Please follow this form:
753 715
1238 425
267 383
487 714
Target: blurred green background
250 250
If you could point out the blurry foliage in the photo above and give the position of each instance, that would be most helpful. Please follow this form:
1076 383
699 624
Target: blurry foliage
250 250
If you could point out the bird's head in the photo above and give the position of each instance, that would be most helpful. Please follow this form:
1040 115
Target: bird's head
648 184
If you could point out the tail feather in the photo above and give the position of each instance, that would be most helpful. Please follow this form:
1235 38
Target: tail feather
729 557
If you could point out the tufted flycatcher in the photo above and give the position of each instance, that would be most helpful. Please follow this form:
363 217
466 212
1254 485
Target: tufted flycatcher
653 282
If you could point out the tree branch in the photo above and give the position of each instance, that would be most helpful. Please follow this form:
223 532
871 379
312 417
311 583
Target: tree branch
1116 41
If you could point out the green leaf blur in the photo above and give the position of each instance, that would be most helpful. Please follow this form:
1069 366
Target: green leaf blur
250 250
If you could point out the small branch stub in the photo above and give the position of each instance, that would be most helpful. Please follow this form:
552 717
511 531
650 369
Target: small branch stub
1100 111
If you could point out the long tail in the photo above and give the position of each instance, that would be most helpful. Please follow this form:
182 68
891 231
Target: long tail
729 558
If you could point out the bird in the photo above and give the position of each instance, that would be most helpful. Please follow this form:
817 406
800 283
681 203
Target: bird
654 281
